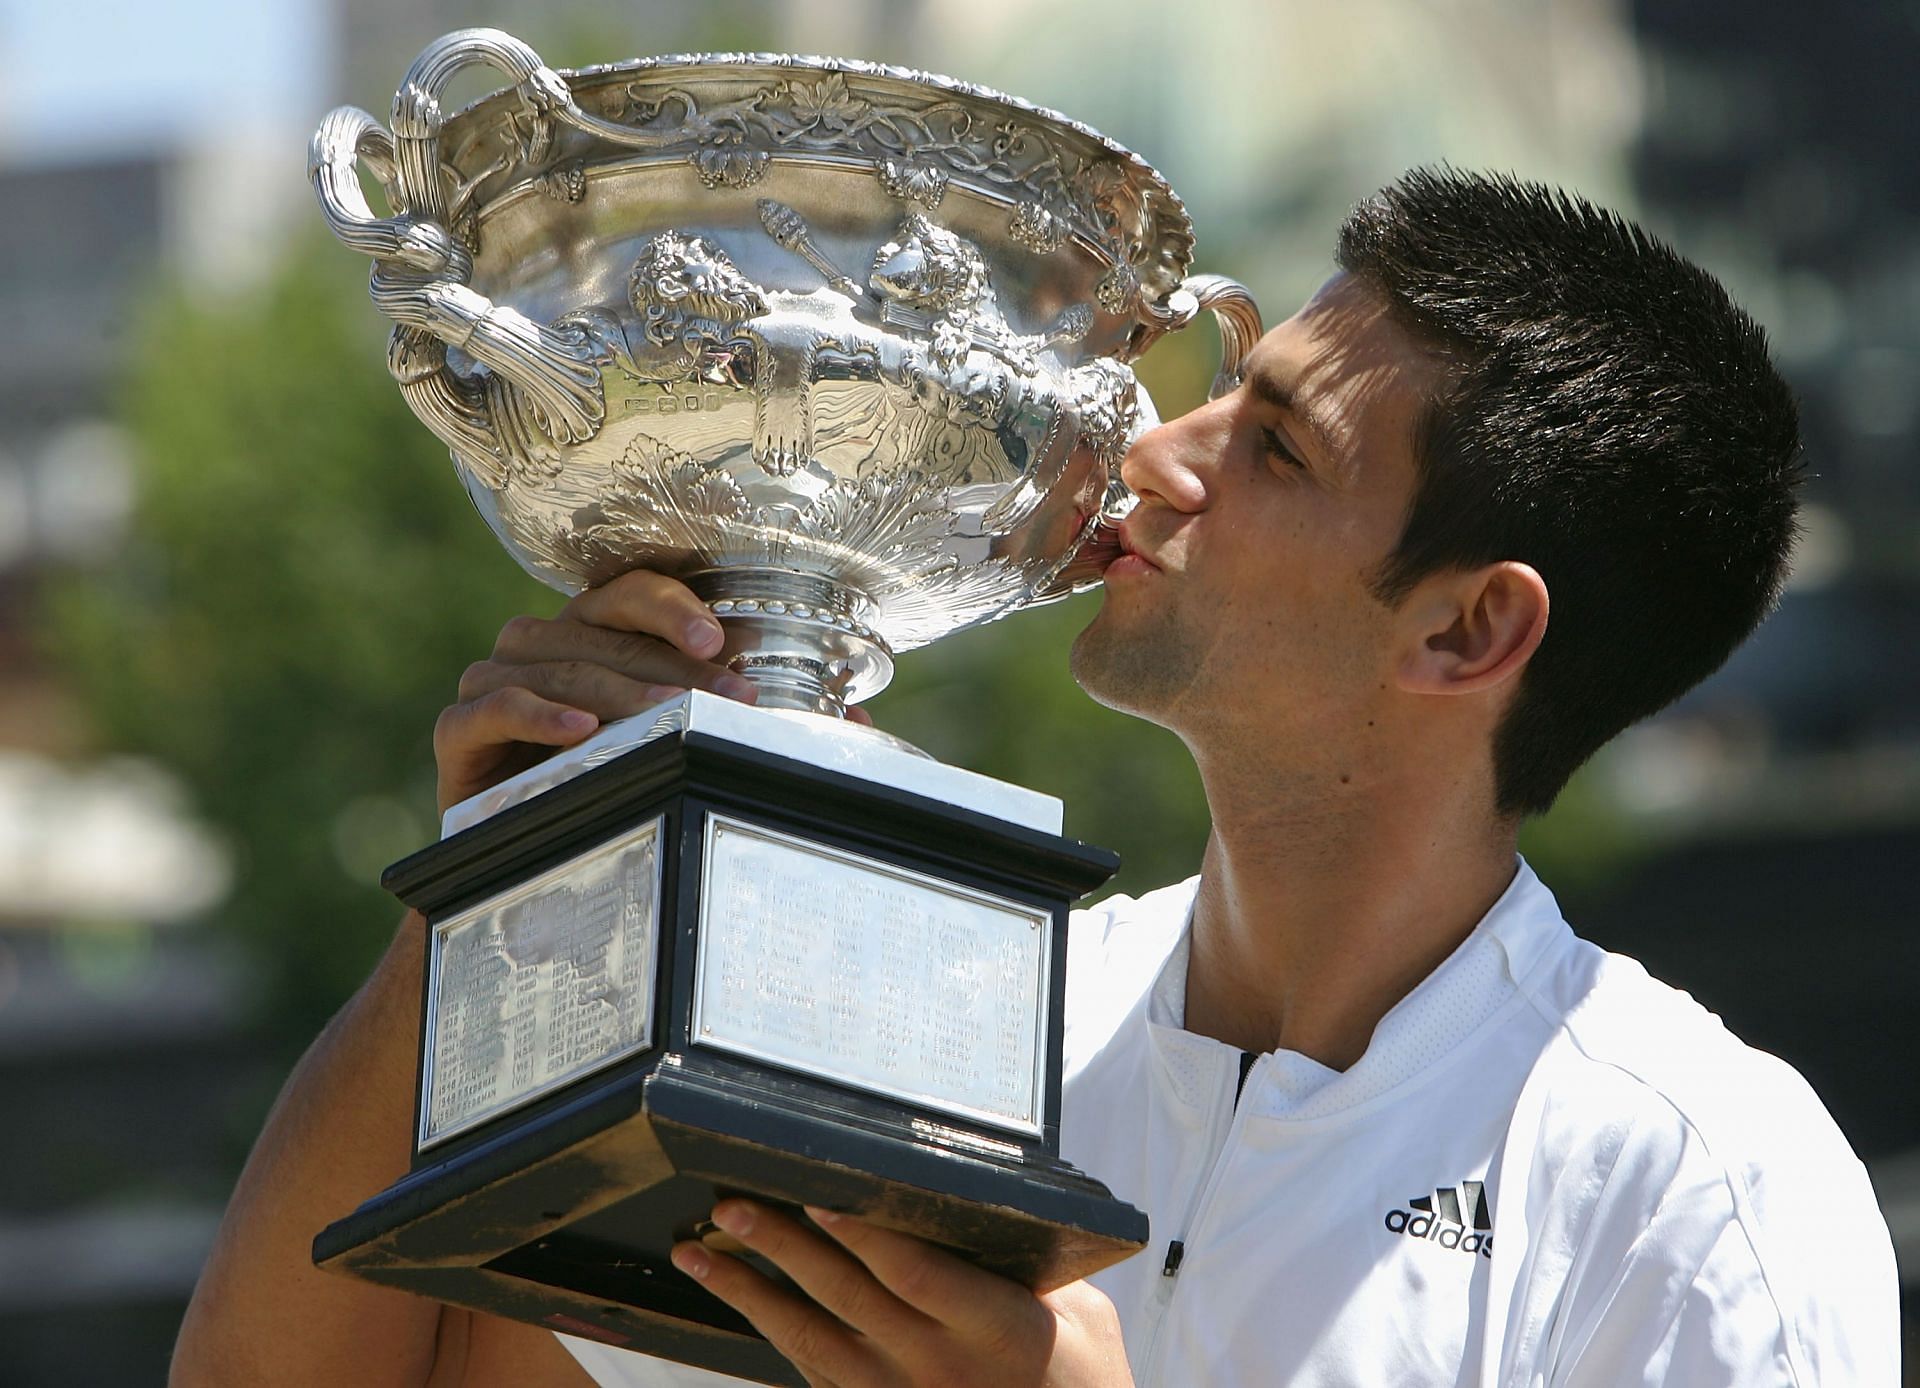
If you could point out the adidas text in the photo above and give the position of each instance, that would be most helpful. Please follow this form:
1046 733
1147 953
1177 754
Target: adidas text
1416 1224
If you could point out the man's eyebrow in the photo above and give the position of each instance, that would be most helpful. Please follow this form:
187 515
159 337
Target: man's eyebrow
1281 396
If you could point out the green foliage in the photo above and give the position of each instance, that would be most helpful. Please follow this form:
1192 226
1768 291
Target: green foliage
1587 841
304 583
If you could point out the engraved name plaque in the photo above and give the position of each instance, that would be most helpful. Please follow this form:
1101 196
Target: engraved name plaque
541 985
866 973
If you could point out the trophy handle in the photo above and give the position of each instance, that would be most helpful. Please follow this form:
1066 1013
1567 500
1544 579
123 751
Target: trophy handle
1233 308
421 272
418 113
1232 305
348 137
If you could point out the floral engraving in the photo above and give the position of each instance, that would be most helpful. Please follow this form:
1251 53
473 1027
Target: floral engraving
664 509
1119 290
825 105
916 150
1037 228
565 182
726 162
912 181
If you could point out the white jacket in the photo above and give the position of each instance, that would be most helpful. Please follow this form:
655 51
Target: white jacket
1547 1169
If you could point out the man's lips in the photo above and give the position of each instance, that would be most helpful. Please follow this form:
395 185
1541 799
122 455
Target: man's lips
1131 557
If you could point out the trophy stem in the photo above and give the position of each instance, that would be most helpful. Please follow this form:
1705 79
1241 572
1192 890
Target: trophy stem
796 636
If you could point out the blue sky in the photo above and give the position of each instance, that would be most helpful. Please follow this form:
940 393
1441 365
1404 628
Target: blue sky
95 77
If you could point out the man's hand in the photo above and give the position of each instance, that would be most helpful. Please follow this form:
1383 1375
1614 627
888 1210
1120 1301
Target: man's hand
627 645
613 651
889 1310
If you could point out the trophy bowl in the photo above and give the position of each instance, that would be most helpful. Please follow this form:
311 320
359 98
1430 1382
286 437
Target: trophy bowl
843 346
846 348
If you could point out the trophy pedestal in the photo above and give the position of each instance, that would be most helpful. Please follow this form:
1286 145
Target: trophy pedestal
760 955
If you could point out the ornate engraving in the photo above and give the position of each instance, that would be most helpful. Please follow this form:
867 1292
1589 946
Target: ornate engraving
691 298
882 531
912 436
912 181
565 182
1119 292
1038 228
941 280
916 148
898 521
1107 398
690 302
725 162
789 228
823 106
1072 325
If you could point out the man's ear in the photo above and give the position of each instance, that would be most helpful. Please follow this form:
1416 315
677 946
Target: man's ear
1473 630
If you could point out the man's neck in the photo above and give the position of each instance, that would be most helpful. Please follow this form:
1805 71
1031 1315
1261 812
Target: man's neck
1311 923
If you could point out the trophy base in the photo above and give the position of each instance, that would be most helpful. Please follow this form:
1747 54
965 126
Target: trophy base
567 1221
702 968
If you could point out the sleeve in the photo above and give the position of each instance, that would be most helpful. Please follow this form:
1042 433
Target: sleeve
1660 1325
1710 1293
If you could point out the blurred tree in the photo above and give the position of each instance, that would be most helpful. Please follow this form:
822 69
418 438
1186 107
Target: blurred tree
303 584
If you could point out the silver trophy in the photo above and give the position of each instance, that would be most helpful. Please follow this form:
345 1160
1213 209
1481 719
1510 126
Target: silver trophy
844 347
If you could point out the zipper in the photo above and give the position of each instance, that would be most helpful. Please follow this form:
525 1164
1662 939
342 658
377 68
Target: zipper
1177 1247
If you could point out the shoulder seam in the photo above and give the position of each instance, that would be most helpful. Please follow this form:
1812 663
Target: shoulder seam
1743 1214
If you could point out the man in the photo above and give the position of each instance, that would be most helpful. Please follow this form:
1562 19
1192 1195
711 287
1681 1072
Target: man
1392 1122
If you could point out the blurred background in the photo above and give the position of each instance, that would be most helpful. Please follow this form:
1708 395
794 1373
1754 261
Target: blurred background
238 580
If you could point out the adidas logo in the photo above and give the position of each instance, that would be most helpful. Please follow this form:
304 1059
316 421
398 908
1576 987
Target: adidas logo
1444 1217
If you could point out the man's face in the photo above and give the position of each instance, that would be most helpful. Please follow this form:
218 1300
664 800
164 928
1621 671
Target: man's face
1244 609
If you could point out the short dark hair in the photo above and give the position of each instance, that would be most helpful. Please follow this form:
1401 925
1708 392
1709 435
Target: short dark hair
1613 419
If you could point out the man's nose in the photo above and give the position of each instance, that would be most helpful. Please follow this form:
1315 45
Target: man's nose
1169 463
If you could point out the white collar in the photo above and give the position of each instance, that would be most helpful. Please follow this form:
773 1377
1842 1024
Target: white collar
1479 980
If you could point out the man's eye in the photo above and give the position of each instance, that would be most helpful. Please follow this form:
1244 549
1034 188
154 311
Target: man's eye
1277 447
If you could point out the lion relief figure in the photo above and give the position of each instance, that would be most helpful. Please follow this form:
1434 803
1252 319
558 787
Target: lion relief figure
687 291
699 319
691 304
929 271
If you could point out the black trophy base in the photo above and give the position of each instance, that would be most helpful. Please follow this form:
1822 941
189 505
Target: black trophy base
562 1210
567 1222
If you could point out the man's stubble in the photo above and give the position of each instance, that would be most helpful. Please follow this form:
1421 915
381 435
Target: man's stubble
1144 666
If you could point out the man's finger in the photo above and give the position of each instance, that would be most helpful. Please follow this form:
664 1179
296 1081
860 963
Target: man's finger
644 659
823 1271
512 713
934 1282
606 694
654 605
477 744
823 1349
